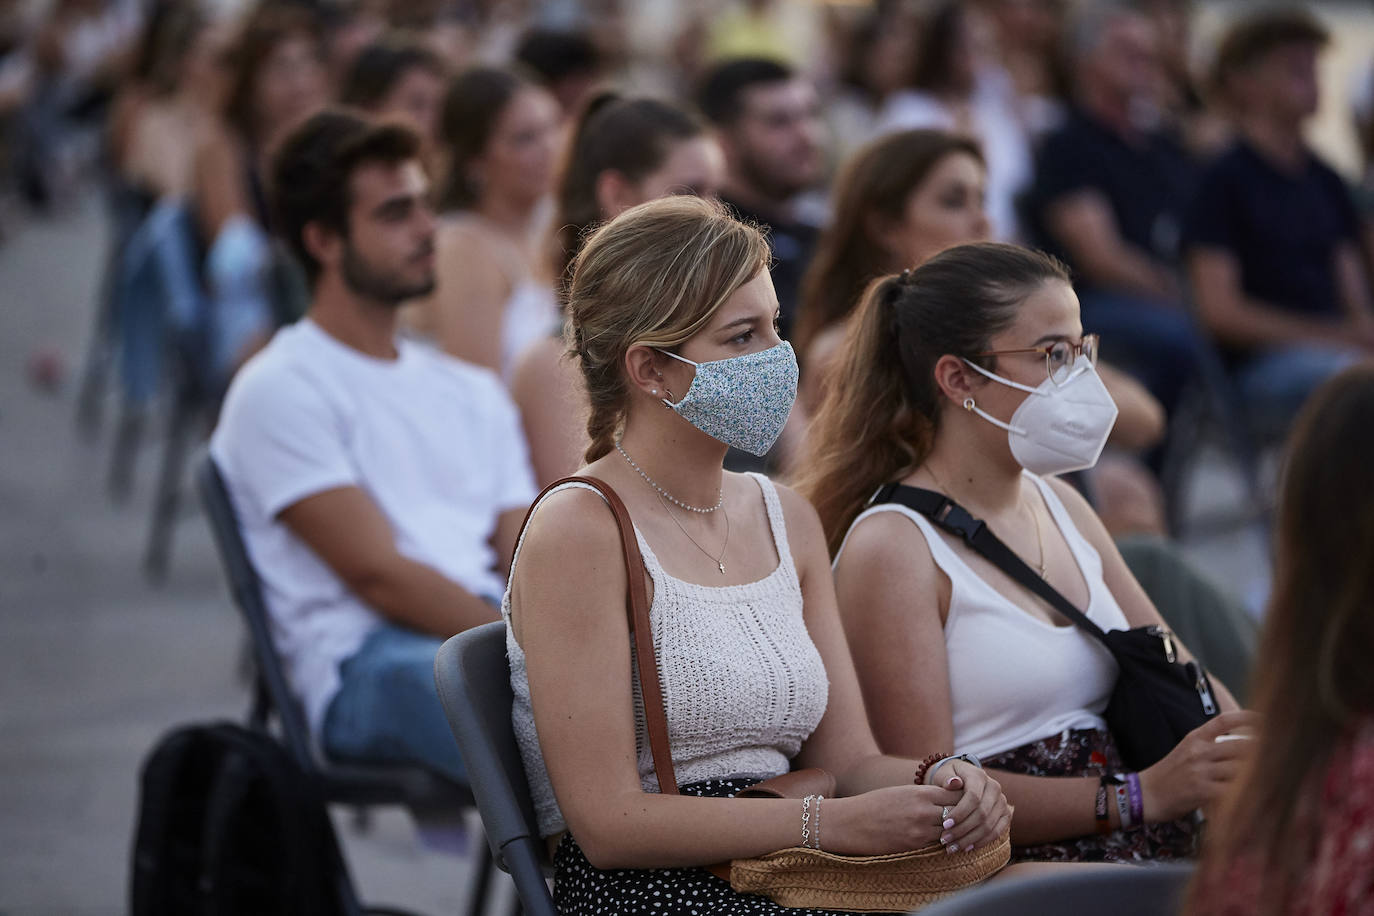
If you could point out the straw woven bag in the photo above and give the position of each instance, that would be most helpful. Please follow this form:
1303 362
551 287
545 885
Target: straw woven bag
799 876
896 883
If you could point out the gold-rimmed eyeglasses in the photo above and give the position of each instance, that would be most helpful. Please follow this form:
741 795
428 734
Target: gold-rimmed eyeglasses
1060 356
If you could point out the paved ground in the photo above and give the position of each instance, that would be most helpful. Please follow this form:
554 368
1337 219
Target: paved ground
95 663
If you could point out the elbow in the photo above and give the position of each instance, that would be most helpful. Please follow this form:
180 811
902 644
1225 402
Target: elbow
607 849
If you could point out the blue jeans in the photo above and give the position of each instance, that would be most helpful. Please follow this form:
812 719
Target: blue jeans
1275 383
387 709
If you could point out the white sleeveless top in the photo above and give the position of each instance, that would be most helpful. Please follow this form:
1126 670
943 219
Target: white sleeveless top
531 314
743 684
1015 678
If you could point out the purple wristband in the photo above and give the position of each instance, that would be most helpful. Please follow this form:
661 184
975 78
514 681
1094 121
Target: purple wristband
1137 799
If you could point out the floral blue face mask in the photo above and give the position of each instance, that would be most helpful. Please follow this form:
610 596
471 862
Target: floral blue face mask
743 400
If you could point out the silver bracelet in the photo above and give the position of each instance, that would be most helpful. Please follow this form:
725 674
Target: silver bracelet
806 839
819 799
967 758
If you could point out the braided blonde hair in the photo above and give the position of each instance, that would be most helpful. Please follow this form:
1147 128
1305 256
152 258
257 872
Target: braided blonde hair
653 276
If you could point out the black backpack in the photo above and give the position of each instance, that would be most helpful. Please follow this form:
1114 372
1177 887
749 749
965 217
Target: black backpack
228 824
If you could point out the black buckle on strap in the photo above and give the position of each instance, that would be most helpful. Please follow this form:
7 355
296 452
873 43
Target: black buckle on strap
953 517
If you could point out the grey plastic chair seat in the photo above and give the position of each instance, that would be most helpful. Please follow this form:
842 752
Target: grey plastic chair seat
1121 890
473 677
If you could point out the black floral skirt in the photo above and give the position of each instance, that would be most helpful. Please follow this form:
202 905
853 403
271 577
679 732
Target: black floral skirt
582 889
1092 752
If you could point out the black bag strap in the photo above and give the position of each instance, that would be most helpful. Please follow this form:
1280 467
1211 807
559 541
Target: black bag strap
952 517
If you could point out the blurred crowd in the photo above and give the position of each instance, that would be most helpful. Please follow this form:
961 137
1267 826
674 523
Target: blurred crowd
1221 261
1226 265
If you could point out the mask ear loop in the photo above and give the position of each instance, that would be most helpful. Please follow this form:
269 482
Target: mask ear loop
667 403
972 407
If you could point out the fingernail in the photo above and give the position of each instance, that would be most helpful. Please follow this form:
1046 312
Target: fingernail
945 839
949 823
953 847
954 782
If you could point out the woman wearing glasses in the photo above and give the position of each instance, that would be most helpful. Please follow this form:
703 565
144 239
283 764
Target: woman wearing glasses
971 376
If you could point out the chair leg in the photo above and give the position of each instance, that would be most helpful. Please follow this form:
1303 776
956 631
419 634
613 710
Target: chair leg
168 497
482 866
120 481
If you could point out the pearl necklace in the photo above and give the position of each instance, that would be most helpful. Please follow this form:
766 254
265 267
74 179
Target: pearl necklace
664 493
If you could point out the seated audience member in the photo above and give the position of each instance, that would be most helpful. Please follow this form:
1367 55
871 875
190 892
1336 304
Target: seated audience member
398 80
1273 236
277 79
185 81
897 203
623 152
876 58
959 86
1109 197
747 641
1030 40
767 118
950 650
493 298
1294 835
378 483
567 63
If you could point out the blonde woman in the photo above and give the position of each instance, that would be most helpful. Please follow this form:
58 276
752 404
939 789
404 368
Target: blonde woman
672 317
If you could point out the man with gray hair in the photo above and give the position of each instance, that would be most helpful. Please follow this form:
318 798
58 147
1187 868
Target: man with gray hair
1110 190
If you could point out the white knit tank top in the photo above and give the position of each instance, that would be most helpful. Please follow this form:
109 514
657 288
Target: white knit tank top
1015 678
743 684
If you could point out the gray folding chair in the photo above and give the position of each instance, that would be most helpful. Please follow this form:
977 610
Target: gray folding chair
474 684
356 784
1122 890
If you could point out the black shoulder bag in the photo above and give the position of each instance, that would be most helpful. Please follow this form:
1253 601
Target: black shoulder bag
1156 700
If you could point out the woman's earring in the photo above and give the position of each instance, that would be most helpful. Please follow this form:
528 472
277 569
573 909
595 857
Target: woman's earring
653 391
968 403
668 391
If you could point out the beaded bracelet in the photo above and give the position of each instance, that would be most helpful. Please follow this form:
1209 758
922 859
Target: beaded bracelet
925 766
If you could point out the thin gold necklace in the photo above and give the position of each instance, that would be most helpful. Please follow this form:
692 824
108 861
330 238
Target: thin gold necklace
1035 519
718 560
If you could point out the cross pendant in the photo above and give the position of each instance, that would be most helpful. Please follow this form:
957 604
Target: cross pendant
722 567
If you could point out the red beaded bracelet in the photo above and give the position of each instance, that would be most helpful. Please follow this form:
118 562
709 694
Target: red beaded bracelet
925 766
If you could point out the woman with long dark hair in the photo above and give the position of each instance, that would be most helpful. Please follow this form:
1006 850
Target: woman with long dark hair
1297 835
498 134
897 202
623 152
971 376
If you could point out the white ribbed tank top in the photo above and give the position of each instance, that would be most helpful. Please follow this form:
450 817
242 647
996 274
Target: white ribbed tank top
1015 678
743 684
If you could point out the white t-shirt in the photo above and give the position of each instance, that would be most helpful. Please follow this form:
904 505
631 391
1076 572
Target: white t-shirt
435 442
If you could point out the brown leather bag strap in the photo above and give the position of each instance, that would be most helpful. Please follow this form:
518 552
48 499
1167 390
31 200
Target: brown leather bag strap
641 633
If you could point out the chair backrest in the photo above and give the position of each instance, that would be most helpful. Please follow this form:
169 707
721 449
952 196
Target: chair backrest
473 677
247 591
1122 890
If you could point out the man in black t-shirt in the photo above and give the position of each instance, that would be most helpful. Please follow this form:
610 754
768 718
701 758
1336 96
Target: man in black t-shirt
768 121
1272 239
1108 198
